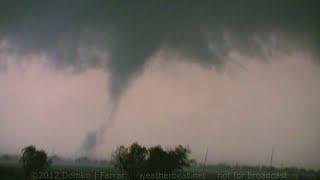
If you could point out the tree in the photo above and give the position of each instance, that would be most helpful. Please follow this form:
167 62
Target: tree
131 160
137 159
34 160
168 161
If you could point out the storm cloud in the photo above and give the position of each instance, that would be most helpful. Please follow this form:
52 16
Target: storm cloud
131 32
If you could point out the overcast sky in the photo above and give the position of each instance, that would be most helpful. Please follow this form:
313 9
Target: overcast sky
236 78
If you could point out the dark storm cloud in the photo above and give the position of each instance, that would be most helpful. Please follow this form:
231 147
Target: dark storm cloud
132 31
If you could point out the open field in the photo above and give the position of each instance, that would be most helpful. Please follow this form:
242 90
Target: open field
13 171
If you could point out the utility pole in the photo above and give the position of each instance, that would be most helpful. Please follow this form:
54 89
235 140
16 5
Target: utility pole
205 158
271 159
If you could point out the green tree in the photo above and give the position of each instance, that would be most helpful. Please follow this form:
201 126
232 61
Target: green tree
137 159
131 160
34 160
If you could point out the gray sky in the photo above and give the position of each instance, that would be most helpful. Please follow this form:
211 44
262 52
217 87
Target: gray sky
239 79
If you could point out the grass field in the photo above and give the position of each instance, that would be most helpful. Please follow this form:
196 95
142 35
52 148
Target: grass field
13 171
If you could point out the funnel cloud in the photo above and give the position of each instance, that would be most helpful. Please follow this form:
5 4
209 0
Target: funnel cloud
122 37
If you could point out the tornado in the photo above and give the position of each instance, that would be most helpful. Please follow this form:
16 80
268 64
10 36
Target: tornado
121 36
